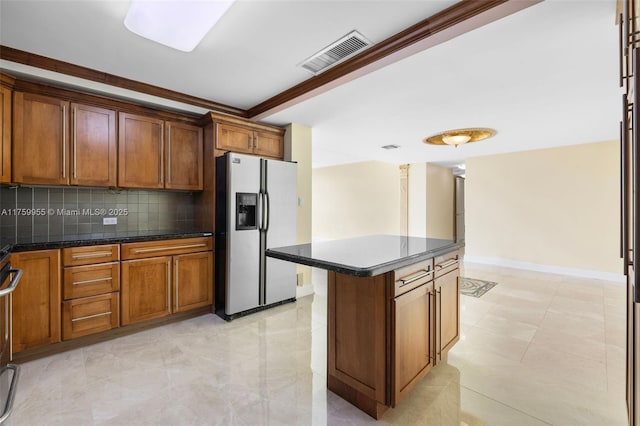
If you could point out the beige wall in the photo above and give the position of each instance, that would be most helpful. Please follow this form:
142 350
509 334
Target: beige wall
417 205
440 206
356 199
555 207
298 148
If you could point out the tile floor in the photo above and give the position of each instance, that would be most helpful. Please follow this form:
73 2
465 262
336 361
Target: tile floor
537 349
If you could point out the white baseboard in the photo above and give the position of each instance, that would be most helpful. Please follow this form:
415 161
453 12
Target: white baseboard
303 291
552 269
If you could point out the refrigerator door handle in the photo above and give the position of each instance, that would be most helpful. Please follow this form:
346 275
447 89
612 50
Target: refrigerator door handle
261 211
268 214
636 181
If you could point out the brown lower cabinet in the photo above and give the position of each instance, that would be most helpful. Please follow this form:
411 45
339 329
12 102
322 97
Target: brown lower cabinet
386 332
156 286
36 301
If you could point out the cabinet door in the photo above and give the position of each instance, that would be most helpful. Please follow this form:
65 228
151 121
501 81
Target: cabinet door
193 281
448 311
36 300
5 136
414 340
184 157
268 144
40 147
93 146
234 138
145 289
141 152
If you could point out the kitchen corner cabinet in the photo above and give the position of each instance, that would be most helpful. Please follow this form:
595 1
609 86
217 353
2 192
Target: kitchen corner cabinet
184 156
245 136
164 277
36 301
157 155
5 136
60 143
40 139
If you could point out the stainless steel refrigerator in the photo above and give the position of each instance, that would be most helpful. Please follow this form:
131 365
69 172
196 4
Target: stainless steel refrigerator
256 203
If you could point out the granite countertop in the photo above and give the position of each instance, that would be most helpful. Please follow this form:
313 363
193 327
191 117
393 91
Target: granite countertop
364 256
54 242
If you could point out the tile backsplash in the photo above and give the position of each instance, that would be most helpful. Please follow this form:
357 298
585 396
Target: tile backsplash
31 213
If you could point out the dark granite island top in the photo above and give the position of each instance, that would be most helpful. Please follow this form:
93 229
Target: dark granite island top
364 256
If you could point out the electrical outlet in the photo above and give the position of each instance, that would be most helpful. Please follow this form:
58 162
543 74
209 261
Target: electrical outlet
109 220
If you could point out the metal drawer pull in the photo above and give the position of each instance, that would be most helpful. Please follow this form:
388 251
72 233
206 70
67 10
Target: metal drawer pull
447 264
91 316
8 406
423 273
89 255
149 250
97 280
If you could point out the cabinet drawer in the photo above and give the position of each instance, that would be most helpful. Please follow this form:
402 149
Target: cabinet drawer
412 276
90 315
447 262
91 280
75 256
166 247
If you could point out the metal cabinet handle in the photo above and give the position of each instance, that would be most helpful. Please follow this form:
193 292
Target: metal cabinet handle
91 316
8 405
90 255
176 281
149 250
169 286
423 273
447 264
97 280
255 141
439 336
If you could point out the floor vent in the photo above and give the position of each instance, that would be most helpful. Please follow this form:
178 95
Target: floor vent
336 52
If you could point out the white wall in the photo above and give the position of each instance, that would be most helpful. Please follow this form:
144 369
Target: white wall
356 199
554 208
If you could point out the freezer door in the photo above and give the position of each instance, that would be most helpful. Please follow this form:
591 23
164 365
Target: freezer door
243 245
282 201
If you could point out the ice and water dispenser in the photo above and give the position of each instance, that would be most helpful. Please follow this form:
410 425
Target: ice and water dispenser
246 211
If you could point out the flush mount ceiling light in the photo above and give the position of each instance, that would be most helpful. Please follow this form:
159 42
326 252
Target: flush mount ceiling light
460 136
178 24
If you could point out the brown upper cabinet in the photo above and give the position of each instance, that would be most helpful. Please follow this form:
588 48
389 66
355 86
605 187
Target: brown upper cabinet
245 136
5 136
93 146
40 139
61 143
152 158
184 156
141 153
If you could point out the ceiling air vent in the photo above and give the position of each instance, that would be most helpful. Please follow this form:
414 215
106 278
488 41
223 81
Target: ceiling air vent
336 52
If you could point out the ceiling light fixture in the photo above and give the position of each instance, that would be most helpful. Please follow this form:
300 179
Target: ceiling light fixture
180 25
460 136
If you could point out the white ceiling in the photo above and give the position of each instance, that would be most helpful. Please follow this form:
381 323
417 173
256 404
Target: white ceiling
545 76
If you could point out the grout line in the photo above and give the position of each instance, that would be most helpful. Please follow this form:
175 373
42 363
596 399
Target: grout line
506 405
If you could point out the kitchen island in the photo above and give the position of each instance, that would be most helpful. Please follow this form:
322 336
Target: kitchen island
393 314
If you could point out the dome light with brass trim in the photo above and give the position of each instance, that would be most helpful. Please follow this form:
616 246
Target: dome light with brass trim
460 136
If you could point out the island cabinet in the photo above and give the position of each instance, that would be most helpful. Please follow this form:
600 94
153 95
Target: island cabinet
36 301
61 143
5 135
164 277
386 332
91 290
244 136
155 154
